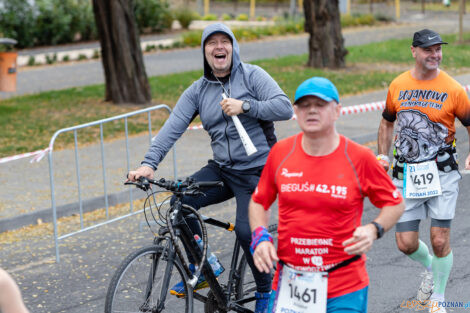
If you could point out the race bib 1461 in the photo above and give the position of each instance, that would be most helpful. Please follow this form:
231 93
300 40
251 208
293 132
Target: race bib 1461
301 292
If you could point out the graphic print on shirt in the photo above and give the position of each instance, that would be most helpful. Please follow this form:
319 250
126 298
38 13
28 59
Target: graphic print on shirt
301 185
311 250
422 98
418 138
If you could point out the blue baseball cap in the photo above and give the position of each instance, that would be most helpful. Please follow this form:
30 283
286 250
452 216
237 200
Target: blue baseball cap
319 87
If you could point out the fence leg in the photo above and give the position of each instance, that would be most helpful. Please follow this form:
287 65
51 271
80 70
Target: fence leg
54 212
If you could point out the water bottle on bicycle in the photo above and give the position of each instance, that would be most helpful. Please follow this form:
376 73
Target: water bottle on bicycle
217 268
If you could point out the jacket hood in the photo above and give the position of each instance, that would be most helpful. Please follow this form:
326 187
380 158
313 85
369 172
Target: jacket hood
220 28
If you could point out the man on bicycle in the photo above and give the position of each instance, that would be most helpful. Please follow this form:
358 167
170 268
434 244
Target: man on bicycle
320 179
257 100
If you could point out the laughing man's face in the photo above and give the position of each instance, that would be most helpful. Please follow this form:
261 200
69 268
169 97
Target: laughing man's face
218 53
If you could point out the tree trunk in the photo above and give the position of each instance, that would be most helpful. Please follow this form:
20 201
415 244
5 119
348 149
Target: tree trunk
326 43
126 79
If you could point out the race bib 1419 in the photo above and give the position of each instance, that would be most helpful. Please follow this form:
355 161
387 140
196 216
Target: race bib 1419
421 180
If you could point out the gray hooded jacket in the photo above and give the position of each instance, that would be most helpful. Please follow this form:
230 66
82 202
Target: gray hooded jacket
247 82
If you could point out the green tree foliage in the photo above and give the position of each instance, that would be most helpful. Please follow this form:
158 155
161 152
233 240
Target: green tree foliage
17 21
50 22
54 22
152 15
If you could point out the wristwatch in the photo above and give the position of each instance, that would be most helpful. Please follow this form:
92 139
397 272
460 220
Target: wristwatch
380 229
246 106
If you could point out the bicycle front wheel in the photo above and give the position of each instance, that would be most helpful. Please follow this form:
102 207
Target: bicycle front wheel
139 284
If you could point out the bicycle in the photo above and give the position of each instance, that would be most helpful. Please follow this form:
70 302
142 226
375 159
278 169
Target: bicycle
143 280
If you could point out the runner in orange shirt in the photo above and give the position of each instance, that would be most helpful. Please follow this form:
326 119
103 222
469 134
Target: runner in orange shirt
424 102
320 179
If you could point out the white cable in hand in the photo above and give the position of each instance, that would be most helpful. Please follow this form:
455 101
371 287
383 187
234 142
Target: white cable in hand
246 141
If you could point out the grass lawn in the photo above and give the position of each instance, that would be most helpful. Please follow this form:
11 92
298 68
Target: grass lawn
28 122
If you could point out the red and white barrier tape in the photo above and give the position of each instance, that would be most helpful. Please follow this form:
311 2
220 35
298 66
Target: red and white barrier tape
38 155
361 108
353 109
195 127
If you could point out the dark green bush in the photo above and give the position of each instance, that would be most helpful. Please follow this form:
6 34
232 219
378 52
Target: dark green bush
31 61
51 58
83 20
64 21
153 15
54 22
184 16
17 21
50 22
167 19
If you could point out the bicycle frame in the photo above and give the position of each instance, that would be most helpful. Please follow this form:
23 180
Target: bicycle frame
183 231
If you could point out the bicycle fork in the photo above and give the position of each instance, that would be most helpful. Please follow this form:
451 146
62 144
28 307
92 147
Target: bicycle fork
168 255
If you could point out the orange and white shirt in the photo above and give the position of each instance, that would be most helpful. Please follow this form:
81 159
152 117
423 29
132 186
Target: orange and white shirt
320 200
425 112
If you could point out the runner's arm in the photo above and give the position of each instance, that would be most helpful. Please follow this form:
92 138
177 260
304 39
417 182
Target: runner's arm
10 295
384 138
364 236
265 252
257 215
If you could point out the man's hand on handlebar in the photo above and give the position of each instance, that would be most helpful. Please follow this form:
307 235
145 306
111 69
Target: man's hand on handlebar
143 171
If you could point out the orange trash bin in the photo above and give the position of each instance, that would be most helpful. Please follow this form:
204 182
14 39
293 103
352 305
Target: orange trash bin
8 71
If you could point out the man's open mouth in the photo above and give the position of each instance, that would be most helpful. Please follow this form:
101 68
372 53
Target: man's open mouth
220 56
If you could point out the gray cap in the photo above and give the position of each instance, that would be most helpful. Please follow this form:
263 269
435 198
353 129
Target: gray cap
426 38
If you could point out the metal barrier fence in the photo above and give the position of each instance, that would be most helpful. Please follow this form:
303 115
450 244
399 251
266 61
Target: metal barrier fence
74 129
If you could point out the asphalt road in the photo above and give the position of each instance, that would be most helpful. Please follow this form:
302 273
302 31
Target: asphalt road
79 282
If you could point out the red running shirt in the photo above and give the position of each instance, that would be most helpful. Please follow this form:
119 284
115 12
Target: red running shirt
320 203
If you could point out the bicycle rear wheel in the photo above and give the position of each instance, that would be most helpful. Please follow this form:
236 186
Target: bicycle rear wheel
138 284
245 285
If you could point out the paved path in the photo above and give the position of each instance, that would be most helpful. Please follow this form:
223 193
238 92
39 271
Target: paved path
78 284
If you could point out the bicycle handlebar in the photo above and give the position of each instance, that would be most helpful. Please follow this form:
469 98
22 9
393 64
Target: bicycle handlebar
188 184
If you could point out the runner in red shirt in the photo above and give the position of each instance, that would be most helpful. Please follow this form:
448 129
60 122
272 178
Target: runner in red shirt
320 179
